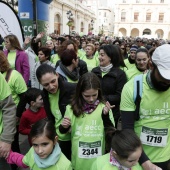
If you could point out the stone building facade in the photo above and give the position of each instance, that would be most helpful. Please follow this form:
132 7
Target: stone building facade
82 20
149 18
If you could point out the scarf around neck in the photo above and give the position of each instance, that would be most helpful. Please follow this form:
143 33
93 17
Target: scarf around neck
114 162
74 75
89 108
50 160
106 69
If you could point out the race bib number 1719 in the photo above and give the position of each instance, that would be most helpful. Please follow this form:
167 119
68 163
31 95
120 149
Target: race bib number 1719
154 137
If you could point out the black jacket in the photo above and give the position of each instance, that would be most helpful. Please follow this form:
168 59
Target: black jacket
66 91
82 66
112 84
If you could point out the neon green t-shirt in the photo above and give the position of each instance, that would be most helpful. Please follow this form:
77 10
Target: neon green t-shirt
153 127
16 84
62 164
12 58
132 72
54 58
91 63
54 100
102 163
87 137
81 53
4 93
128 64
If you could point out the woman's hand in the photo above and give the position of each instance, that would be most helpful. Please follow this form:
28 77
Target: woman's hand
66 122
107 108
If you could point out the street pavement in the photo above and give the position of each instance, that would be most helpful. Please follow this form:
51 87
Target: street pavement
24 147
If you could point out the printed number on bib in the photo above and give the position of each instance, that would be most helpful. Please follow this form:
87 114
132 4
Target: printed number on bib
154 137
89 150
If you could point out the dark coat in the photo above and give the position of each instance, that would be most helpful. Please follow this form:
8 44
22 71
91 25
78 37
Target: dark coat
66 91
112 84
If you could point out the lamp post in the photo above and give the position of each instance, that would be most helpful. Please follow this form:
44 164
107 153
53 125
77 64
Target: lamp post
34 6
92 23
69 16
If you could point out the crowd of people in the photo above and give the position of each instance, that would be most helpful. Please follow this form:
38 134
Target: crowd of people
85 103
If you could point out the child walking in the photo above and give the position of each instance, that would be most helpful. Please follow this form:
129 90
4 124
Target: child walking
35 111
45 153
85 119
126 149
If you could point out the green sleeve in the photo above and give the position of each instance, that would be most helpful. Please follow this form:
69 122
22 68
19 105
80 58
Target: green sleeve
127 103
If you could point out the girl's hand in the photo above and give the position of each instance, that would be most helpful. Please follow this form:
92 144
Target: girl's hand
148 165
66 122
107 108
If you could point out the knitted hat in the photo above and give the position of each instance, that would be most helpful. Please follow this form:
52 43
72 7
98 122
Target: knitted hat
134 48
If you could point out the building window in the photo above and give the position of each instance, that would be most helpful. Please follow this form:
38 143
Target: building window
136 15
104 14
161 17
161 1
124 1
148 17
149 1
99 13
123 16
137 1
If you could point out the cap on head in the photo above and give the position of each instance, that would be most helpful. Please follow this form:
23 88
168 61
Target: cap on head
134 48
161 58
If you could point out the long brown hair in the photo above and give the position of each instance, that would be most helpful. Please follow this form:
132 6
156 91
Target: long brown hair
14 41
4 64
87 81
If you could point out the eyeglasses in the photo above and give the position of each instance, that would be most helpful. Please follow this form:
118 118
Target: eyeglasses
122 48
138 41
96 44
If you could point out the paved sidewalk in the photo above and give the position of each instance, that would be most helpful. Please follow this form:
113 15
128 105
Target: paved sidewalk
24 146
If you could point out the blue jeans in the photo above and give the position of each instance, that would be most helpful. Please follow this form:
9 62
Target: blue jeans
4 165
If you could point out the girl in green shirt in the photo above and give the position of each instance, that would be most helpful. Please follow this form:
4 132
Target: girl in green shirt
45 153
85 119
126 148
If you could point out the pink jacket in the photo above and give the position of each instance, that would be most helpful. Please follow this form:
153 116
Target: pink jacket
16 158
22 64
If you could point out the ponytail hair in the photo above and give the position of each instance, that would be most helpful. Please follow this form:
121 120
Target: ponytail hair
124 142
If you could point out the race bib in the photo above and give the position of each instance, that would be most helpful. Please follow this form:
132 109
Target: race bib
154 137
89 150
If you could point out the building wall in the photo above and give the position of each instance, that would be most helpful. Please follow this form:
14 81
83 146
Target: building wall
82 16
128 25
104 23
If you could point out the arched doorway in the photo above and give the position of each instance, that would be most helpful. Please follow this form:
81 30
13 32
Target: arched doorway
159 33
57 24
134 32
146 32
122 32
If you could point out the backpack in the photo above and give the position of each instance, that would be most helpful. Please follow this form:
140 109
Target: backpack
137 93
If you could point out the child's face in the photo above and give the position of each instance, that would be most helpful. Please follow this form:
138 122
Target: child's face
39 102
90 96
132 160
43 146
